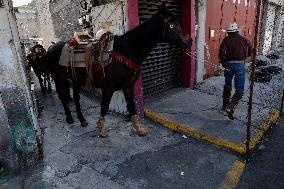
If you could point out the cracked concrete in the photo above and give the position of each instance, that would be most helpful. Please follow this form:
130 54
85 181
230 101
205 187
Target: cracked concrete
201 108
75 157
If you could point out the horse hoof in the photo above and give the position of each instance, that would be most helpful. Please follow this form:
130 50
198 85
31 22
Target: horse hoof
140 132
84 124
103 133
69 120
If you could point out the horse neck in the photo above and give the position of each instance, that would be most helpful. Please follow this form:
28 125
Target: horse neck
138 43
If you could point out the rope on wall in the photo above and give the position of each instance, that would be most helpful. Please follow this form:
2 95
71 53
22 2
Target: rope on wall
246 18
236 10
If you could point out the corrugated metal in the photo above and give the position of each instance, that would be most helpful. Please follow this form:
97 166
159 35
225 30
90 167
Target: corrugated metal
161 71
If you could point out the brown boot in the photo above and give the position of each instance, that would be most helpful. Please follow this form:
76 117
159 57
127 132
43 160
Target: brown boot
234 102
226 96
102 129
140 131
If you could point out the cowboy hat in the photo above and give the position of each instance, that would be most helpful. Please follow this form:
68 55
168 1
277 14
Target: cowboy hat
233 27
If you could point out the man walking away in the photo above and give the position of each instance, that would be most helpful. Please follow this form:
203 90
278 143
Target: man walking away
233 52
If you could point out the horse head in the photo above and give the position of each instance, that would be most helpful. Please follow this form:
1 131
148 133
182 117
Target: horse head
38 52
173 32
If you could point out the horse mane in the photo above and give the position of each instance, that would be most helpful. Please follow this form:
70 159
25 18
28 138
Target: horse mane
137 43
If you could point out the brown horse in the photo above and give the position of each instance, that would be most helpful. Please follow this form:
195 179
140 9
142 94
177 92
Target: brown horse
129 51
36 61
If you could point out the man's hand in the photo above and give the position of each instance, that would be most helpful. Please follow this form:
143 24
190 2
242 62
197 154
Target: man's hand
225 65
248 60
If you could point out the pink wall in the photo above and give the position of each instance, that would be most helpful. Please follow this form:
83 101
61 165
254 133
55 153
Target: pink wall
188 64
133 21
231 11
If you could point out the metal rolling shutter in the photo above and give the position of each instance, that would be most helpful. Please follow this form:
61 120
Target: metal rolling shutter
161 71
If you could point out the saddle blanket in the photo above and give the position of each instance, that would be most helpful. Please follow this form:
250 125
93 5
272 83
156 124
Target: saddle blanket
78 57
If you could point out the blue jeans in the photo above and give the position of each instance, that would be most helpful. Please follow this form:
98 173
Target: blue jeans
236 70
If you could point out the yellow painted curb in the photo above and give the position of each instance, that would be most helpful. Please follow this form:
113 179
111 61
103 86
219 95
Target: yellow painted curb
186 129
233 176
269 121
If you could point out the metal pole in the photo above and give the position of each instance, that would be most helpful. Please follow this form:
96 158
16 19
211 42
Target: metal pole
256 31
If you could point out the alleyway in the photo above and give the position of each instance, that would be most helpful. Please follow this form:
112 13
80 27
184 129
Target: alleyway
191 142
75 157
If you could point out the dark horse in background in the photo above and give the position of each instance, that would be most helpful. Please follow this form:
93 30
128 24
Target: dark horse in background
129 52
36 61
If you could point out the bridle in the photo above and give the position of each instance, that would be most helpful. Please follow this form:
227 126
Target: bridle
37 53
171 25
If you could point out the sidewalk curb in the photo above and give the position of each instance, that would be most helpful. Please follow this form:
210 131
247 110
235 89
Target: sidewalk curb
268 123
270 120
233 176
188 130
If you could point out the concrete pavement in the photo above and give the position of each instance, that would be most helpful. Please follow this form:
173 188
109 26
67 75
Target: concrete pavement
197 112
76 157
266 167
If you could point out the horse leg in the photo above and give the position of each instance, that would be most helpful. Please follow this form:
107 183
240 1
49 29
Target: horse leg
69 98
42 88
44 81
76 95
136 124
61 89
106 98
49 90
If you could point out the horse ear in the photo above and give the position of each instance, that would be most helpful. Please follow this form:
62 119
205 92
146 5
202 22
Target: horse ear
164 11
163 6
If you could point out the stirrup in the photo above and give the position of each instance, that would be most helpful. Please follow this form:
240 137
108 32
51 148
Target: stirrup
139 130
102 129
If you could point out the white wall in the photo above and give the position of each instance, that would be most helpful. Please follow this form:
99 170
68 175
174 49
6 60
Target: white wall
268 28
278 27
117 14
277 2
200 39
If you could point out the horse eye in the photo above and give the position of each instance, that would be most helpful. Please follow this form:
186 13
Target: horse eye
171 26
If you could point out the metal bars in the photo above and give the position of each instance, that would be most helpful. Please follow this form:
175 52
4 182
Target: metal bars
161 71
249 114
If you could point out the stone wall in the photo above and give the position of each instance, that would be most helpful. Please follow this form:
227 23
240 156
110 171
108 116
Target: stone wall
45 22
58 20
272 24
17 119
28 25
65 16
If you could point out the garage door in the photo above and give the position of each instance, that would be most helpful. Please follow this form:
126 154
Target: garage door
161 71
